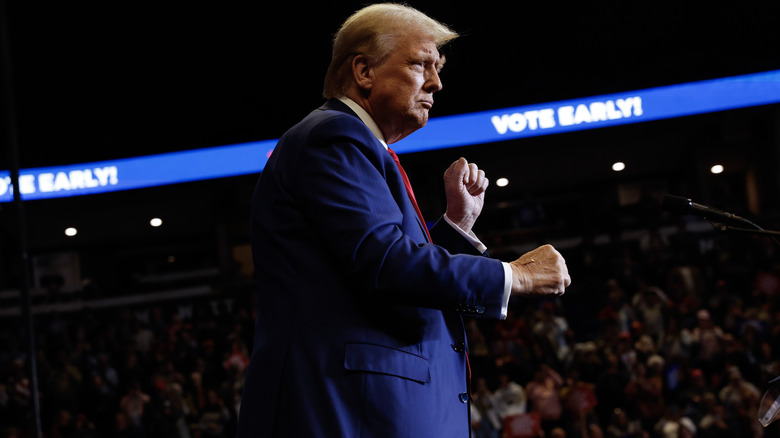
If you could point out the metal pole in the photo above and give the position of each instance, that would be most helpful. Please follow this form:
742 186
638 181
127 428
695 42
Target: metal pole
26 300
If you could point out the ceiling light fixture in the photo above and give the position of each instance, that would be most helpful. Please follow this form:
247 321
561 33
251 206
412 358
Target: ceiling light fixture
716 169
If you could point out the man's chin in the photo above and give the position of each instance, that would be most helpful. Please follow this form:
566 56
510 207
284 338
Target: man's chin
421 119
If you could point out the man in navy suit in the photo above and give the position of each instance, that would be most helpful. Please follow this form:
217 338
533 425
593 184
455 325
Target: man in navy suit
359 328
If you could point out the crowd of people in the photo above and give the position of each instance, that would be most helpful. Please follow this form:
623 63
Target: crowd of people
172 370
664 337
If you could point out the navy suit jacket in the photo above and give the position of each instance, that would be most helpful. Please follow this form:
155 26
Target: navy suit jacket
359 330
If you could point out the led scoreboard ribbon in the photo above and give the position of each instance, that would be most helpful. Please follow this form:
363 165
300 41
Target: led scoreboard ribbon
596 112
139 172
441 132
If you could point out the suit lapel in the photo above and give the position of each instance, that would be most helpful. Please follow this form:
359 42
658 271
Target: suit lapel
337 105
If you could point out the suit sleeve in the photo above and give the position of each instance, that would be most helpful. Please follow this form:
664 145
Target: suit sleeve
353 196
445 235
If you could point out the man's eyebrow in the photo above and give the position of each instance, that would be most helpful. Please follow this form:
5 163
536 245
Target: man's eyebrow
442 60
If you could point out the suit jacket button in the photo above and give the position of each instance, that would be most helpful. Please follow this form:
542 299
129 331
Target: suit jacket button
459 347
463 397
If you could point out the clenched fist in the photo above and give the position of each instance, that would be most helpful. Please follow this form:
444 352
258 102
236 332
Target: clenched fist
542 271
464 186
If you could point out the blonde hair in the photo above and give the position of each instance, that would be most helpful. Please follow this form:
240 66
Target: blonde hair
373 31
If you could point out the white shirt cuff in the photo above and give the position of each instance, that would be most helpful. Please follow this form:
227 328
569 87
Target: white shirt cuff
507 288
470 236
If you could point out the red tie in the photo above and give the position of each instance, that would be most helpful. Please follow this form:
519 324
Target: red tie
419 213
410 192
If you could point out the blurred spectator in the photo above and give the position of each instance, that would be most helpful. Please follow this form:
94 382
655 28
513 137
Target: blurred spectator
210 364
132 405
587 361
20 394
674 425
238 360
692 395
685 286
63 385
706 339
621 426
617 311
214 418
479 351
510 397
749 349
609 389
544 394
63 427
100 402
675 339
489 411
185 350
144 338
626 351
84 428
123 427
644 347
738 393
197 392
645 393
511 341
579 400
108 374
714 422
505 356
476 421
553 327
651 308
766 362
558 432
477 342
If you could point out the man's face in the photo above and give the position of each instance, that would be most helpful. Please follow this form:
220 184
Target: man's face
403 85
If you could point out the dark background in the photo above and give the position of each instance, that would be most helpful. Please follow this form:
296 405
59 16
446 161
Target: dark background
95 81
112 80
103 81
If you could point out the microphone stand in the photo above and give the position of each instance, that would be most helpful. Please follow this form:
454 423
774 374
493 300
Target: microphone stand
769 408
758 230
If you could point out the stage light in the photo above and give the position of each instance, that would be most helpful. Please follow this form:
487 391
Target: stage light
155 222
502 182
716 169
618 166
70 231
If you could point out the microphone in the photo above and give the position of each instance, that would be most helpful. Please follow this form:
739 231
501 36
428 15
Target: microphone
770 403
680 205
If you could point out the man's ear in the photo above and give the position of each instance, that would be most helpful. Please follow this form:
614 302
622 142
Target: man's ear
362 72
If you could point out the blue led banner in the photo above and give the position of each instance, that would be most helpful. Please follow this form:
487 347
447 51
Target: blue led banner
139 172
441 132
595 112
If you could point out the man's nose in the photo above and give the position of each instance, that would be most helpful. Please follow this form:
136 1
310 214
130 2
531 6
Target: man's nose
433 84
